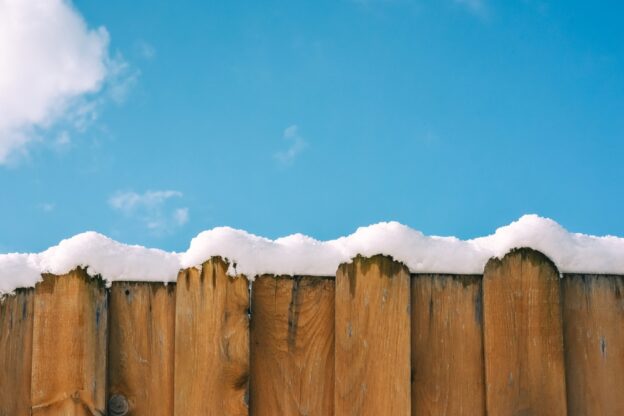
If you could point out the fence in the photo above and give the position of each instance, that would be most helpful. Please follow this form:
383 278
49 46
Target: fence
373 340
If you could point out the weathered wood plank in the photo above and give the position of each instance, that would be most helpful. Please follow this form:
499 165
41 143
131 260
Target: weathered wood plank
447 345
292 346
372 359
523 336
16 323
593 323
69 346
140 348
211 342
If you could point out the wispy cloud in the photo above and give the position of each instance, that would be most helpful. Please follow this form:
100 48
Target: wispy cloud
122 78
370 3
152 209
181 216
296 145
47 206
53 69
129 201
476 7
63 139
145 50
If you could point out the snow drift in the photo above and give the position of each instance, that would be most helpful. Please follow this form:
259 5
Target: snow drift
298 254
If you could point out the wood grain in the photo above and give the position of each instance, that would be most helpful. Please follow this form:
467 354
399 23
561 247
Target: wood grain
447 345
292 346
140 348
372 338
523 336
69 346
16 323
593 312
211 342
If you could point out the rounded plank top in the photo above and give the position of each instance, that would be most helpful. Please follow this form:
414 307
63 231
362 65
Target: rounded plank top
523 335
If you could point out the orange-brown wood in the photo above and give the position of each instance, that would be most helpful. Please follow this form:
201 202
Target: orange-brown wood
16 319
292 346
140 348
211 342
593 322
69 346
523 336
448 373
372 362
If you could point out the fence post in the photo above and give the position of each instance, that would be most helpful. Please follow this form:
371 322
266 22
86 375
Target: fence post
16 323
140 348
523 335
69 346
447 345
292 346
593 312
211 342
372 338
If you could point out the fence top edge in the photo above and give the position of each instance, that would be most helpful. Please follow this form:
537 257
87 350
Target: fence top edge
441 276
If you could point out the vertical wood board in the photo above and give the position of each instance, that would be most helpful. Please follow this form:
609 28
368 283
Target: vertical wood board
211 369
593 312
372 338
69 346
447 345
140 348
523 336
292 346
16 323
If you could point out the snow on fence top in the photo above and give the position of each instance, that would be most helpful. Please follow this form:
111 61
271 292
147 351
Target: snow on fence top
297 254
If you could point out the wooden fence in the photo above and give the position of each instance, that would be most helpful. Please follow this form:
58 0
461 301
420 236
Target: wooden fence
373 340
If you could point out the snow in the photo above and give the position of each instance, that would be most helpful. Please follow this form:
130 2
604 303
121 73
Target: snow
298 254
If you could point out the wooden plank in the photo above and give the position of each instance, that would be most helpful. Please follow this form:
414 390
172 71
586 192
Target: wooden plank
292 346
523 336
69 346
372 338
211 342
16 322
447 345
593 319
140 348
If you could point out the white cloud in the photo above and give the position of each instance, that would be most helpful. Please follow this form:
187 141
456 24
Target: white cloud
51 63
297 145
151 209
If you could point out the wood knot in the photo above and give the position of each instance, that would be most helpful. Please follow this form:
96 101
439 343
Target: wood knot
117 405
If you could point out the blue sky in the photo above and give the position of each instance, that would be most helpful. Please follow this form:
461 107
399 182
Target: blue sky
453 117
